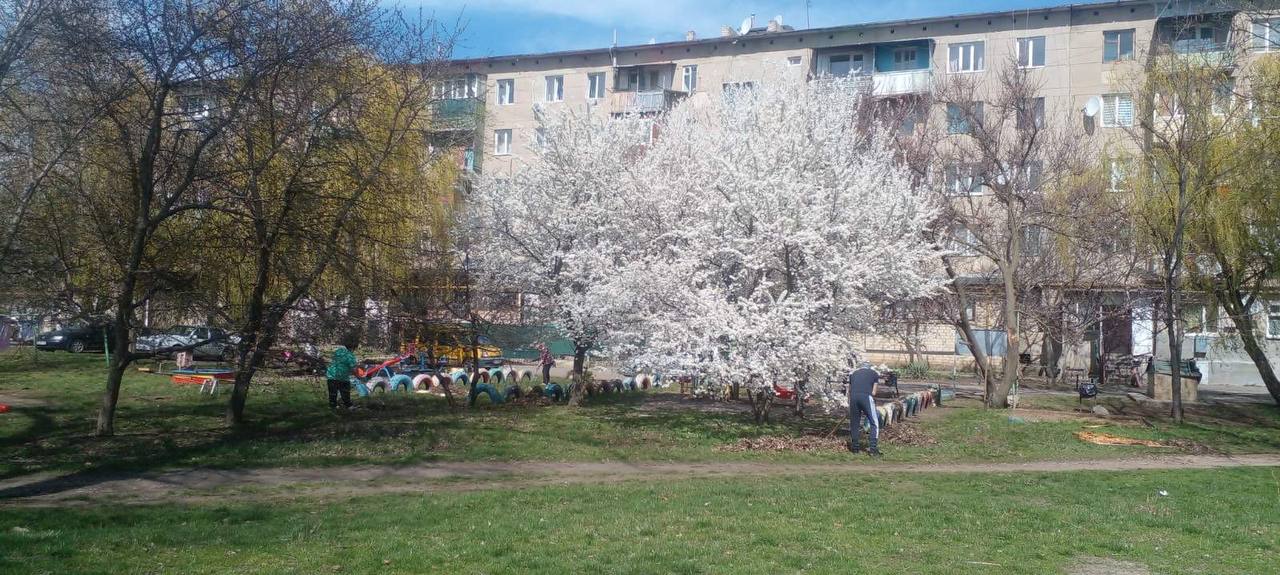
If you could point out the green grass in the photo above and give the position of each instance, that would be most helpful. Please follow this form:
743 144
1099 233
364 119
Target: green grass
1220 521
160 425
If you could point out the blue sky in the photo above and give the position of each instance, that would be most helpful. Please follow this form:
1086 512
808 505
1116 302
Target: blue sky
498 27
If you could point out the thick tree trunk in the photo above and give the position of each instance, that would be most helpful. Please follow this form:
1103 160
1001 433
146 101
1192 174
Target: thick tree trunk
115 374
1234 302
579 364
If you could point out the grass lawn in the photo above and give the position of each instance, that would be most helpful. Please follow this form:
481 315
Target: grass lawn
160 425
1221 521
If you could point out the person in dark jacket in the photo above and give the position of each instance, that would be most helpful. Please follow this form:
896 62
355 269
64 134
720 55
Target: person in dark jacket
862 389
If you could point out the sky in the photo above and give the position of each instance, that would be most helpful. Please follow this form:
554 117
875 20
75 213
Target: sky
503 27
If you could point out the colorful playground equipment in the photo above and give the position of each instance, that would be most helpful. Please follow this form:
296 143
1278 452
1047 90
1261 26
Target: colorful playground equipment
909 405
410 372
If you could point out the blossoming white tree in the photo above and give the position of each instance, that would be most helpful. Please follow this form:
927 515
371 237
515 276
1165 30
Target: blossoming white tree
782 225
552 230
743 245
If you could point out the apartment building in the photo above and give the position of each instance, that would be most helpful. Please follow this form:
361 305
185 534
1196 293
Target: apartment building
1077 54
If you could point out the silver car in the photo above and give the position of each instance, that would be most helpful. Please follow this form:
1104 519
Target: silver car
214 343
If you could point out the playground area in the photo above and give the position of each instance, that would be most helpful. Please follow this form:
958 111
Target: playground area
408 484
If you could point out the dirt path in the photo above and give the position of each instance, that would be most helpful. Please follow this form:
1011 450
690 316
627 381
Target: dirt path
199 485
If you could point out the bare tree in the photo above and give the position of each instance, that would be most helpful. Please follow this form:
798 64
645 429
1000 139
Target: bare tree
1014 176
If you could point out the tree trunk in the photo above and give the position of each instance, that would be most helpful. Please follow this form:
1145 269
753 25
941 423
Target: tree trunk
120 335
1013 342
1175 354
1236 306
579 385
761 401
966 329
115 373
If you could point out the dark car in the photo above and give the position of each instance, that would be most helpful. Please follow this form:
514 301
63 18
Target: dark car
75 339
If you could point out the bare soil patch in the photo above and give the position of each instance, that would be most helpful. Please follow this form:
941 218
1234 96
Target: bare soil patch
197 485
1105 566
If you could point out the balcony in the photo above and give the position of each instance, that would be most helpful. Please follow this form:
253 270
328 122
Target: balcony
644 102
453 115
905 82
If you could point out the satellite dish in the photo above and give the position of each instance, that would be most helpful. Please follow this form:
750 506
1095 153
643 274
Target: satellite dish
746 26
1093 106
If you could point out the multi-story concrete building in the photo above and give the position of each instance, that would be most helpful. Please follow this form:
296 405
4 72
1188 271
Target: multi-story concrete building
1077 54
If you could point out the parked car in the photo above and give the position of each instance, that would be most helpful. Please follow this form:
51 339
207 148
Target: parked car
75 339
213 343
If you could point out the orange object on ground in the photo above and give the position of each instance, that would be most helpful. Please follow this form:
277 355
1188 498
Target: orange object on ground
199 378
1108 439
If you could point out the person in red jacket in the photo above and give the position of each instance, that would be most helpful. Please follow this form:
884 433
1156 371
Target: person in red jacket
546 361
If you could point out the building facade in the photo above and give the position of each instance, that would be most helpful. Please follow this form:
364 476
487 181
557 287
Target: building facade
1082 56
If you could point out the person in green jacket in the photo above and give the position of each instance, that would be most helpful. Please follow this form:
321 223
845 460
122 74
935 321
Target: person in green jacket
339 374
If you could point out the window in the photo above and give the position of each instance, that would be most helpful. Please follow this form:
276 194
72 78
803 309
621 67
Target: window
690 78
1117 110
1031 114
1273 321
793 61
912 116
1266 35
962 180
963 241
555 89
655 81
1031 174
1223 96
1117 45
539 138
1118 172
501 142
838 65
1031 52
905 58
595 86
1196 39
458 88
962 118
1199 318
1116 242
734 89
967 57
1167 105
506 92
1031 237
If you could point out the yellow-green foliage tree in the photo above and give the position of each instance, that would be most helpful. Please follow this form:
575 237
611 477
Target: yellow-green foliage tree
1186 111
328 186
1236 232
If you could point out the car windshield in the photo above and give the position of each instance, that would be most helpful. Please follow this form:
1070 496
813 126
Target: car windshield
179 330
484 340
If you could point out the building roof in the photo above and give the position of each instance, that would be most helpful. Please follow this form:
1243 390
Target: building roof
1179 5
